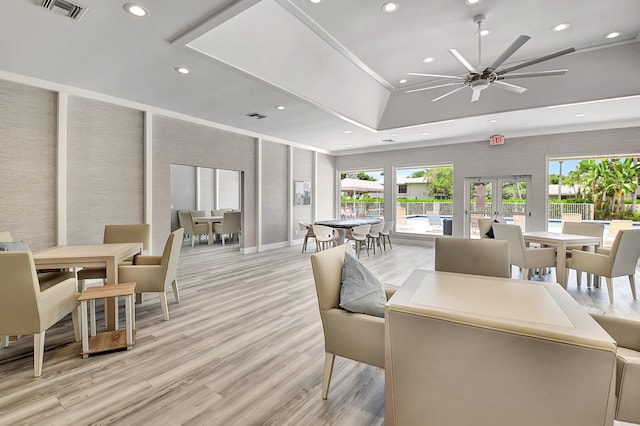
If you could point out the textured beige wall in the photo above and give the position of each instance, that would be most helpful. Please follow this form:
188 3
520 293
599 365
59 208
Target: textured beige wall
105 171
28 150
326 188
180 142
275 196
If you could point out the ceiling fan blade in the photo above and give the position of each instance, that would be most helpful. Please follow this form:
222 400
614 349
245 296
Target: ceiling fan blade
430 87
462 60
537 60
434 75
510 87
517 44
533 74
475 95
447 94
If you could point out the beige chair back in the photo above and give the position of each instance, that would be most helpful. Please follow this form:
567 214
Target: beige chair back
388 226
231 223
375 229
186 221
19 292
360 232
477 257
327 272
6 237
513 235
198 213
616 226
324 233
136 233
171 256
484 225
571 218
625 252
582 228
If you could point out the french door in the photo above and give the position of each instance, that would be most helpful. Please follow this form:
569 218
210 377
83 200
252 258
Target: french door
503 198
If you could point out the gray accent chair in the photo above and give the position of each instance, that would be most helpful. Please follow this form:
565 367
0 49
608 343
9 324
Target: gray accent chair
478 257
358 337
231 225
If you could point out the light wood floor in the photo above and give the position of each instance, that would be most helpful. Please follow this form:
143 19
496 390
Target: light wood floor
245 347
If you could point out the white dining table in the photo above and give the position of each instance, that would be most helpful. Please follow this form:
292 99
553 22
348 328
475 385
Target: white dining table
560 242
106 256
209 220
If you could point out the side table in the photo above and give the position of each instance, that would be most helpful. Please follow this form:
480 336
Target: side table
109 340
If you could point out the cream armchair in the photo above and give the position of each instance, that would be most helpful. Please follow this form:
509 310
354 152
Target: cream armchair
521 255
25 309
231 224
154 274
478 257
626 333
192 229
358 337
621 260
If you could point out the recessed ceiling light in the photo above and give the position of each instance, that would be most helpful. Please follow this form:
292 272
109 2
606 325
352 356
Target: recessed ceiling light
428 59
424 134
394 134
471 1
582 114
183 70
485 32
403 81
348 145
390 7
315 1
492 121
613 34
280 107
560 27
136 9
348 131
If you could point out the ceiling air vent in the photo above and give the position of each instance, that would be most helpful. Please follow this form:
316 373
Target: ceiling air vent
65 7
256 115
388 140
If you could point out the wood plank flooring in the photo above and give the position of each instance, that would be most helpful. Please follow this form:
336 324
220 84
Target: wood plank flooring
244 347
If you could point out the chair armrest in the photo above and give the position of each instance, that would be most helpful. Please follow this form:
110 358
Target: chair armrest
598 264
147 260
628 409
625 332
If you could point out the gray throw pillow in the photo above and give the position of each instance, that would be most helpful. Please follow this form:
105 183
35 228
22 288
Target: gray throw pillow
14 246
361 292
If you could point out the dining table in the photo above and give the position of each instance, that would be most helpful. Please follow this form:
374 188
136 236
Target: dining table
209 220
343 224
106 256
560 241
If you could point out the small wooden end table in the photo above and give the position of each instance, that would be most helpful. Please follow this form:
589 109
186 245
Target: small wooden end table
109 340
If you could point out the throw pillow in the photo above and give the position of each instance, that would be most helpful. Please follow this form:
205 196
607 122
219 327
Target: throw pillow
489 233
14 246
361 292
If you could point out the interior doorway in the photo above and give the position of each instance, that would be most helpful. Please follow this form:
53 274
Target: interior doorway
503 198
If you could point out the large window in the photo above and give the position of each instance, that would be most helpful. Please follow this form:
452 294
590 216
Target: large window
424 200
593 189
361 194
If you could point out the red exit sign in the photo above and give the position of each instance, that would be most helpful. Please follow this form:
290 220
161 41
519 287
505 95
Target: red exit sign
496 140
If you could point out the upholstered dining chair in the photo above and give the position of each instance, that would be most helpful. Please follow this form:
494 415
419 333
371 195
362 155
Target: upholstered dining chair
520 255
326 236
358 234
373 237
626 333
616 226
307 228
385 234
359 337
25 308
192 229
230 225
154 274
582 228
620 261
485 227
478 257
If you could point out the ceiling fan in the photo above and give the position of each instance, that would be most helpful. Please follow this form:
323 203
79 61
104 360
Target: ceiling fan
479 79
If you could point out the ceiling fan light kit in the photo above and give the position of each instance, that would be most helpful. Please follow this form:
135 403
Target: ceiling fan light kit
479 79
